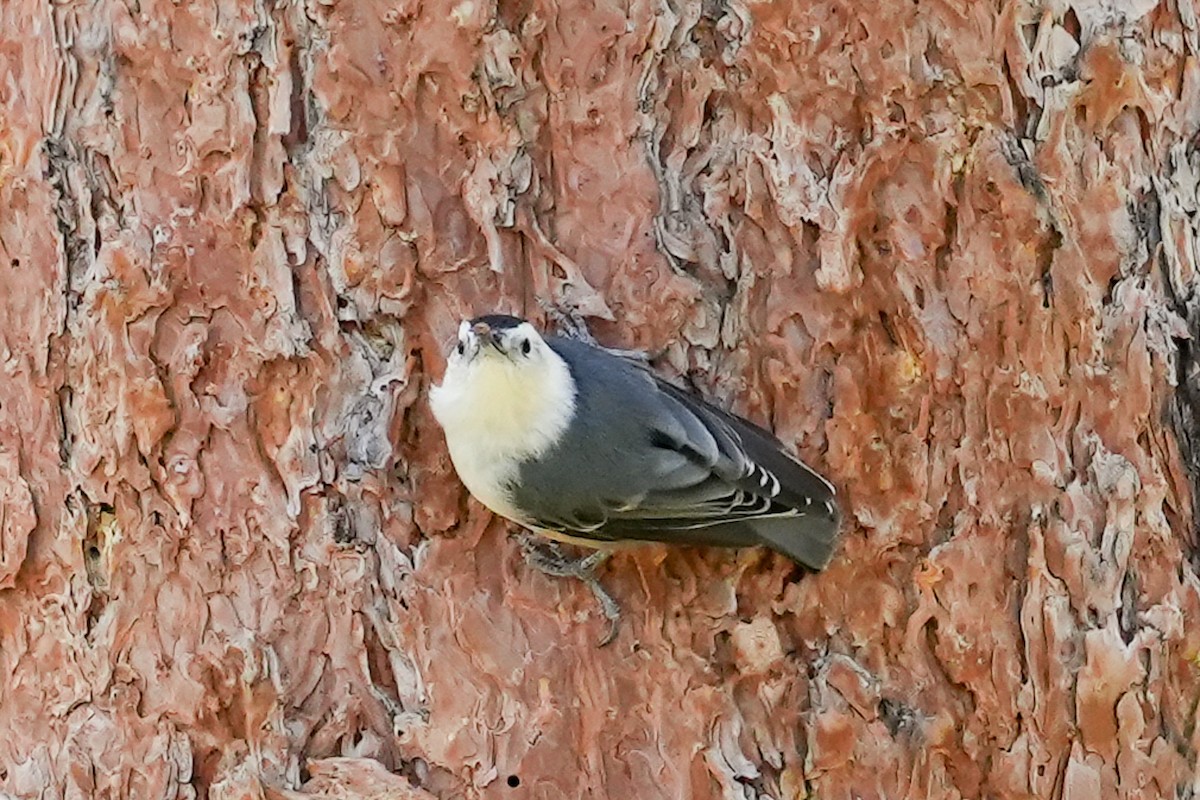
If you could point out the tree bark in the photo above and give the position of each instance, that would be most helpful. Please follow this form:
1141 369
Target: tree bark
946 250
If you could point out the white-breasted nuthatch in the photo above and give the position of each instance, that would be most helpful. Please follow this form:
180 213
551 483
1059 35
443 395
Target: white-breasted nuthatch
586 446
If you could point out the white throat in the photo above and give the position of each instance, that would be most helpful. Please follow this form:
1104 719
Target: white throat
496 414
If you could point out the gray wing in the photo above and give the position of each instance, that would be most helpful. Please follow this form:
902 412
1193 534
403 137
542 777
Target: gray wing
647 460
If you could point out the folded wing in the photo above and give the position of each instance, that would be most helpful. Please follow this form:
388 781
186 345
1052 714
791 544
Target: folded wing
653 462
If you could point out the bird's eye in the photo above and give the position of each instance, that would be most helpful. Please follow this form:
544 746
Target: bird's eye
461 348
526 347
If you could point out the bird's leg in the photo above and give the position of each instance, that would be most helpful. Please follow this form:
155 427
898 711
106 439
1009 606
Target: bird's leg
572 325
549 558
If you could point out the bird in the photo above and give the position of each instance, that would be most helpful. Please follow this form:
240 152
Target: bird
589 446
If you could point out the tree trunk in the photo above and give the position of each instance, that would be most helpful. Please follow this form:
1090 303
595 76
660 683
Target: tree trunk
947 250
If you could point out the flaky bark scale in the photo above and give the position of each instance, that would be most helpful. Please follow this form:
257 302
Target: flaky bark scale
947 252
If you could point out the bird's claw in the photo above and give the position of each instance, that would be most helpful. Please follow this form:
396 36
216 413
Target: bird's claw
573 326
548 557
612 611
568 321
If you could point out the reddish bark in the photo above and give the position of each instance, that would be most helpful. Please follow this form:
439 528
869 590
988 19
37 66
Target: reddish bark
947 251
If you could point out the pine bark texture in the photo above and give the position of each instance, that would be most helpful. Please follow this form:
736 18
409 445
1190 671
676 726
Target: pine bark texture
946 249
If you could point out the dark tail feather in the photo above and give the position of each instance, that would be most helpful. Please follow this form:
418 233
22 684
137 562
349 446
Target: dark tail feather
809 539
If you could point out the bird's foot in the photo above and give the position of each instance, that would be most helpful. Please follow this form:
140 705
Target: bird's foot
568 321
572 325
549 558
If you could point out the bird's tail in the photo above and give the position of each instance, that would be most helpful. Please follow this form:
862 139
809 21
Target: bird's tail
809 539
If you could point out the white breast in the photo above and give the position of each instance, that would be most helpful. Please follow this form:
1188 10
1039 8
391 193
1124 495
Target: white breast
497 414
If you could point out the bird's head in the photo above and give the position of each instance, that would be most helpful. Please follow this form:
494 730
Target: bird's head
501 340
505 390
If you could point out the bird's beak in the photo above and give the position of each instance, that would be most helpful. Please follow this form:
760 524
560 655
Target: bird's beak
485 334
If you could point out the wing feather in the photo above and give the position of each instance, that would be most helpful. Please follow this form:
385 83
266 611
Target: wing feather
692 488
711 477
